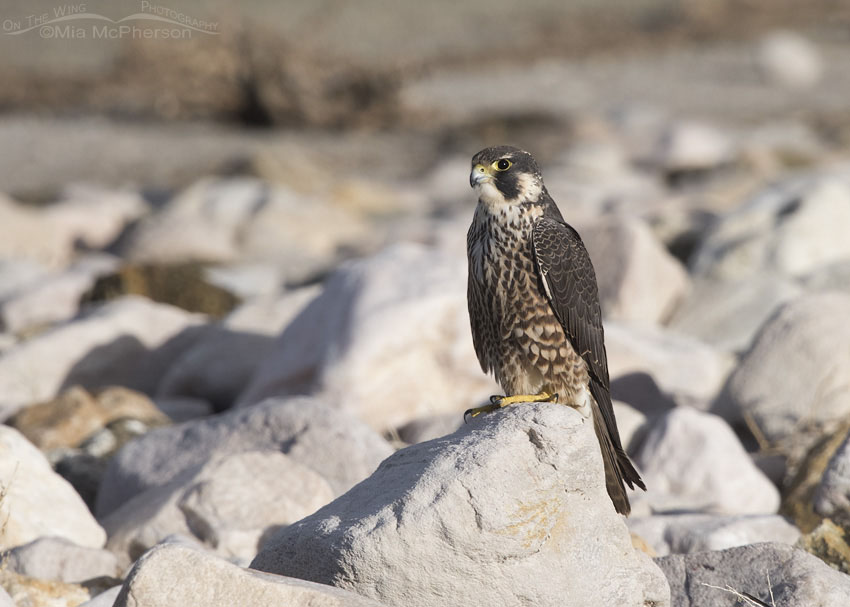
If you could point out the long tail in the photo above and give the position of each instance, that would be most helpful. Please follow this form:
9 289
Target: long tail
619 470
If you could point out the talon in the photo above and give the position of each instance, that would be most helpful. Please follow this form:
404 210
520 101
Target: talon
496 399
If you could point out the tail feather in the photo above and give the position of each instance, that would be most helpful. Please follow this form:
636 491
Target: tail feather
619 470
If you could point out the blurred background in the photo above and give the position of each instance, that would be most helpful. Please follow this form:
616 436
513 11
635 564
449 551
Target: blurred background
297 172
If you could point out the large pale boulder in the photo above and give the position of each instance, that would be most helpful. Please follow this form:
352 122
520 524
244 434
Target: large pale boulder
36 502
130 341
227 503
337 446
792 227
687 533
796 370
693 461
776 574
55 558
510 509
639 280
220 365
388 340
686 370
176 574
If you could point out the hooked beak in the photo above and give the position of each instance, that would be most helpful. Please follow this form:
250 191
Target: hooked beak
480 174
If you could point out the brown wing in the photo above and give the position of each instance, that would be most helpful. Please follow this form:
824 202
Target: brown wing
567 276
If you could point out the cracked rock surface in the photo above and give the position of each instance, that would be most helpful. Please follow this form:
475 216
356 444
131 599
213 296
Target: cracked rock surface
510 509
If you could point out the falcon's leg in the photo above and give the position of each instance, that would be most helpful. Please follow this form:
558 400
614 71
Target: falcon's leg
497 402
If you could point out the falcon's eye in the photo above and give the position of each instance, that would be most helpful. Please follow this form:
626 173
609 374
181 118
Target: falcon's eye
502 165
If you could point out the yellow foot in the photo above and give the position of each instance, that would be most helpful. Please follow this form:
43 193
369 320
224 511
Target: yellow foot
497 402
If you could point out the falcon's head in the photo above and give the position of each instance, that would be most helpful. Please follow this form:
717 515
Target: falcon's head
505 175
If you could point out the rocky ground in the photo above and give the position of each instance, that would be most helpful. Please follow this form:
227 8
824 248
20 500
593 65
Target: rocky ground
233 363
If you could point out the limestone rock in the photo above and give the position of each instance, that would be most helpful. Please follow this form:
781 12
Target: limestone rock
38 502
104 599
511 508
688 533
53 558
176 574
639 280
129 342
792 227
221 364
692 146
830 543
339 447
693 461
788 59
686 370
795 369
54 299
25 590
388 340
228 503
728 314
775 574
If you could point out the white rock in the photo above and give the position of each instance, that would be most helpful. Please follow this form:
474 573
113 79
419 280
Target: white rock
688 146
221 220
54 558
388 340
221 364
54 298
510 509
19 274
5 599
796 370
115 343
94 216
684 368
693 461
631 423
227 503
687 533
788 59
832 498
638 279
776 574
25 233
175 574
793 227
334 444
728 314
38 502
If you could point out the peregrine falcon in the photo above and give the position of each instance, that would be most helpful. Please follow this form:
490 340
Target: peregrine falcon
534 305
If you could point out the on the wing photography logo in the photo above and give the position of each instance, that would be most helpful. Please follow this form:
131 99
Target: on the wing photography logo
76 22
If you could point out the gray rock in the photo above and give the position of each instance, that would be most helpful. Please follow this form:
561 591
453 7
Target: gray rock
796 370
687 533
639 280
220 365
176 574
183 408
388 340
227 503
832 498
692 146
38 502
728 314
5 599
56 558
693 461
245 219
339 447
790 228
686 370
129 341
510 509
787 59
55 298
17 274
775 574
